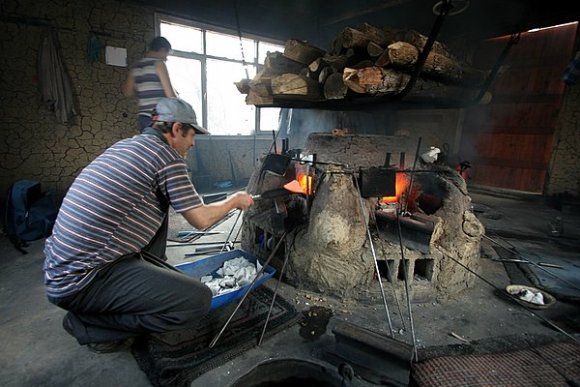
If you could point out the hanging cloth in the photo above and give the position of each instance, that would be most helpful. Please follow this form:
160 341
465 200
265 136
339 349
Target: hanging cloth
55 85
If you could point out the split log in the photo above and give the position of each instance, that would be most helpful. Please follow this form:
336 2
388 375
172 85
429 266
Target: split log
374 50
261 84
280 64
325 73
375 80
254 99
419 40
405 55
354 38
295 85
381 82
301 51
243 86
337 62
334 87
361 36
380 36
316 65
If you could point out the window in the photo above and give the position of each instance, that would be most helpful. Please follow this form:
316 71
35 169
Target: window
203 67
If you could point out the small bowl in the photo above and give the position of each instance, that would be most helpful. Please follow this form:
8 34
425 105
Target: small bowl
549 300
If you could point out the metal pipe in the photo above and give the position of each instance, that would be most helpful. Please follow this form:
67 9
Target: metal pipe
407 289
530 262
374 257
412 176
274 297
217 337
231 231
391 280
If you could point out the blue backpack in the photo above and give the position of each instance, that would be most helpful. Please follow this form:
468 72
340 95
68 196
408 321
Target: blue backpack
30 213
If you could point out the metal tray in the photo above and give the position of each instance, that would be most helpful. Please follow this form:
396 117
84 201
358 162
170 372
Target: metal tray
210 265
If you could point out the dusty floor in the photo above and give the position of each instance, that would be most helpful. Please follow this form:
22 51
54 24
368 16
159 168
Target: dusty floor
36 351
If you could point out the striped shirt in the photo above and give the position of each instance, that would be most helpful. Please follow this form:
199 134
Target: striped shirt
113 209
147 84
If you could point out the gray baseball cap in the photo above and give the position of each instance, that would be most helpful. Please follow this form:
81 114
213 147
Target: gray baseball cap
176 109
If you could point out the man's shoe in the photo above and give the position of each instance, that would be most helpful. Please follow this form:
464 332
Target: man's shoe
111 346
67 324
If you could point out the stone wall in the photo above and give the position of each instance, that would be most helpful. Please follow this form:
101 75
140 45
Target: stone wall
564 173
34 144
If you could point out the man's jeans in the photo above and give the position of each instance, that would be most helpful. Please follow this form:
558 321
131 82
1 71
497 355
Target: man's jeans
136 294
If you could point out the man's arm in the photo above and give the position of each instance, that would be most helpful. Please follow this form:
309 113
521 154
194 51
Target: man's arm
206 215
163 75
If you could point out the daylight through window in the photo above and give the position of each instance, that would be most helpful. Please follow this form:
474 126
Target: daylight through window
203 68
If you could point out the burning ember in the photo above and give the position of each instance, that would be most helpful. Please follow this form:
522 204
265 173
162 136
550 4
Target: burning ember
306 182
401 183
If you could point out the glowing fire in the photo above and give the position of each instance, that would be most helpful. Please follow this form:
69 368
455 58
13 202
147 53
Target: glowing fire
306 183
400 187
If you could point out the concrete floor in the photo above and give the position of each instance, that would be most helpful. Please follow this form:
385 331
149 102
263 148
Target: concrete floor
36 351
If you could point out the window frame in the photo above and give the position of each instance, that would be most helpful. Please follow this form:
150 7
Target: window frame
203 57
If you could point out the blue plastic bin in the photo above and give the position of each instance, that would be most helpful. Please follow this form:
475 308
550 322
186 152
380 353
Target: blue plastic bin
211 264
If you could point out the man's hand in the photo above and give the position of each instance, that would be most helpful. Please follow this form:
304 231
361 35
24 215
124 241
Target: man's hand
242 200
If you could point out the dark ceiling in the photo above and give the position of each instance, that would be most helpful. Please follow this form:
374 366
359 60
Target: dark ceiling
319 20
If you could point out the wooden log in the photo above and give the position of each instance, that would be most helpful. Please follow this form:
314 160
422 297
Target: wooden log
243 86
419 40
295 85
261 84
375 80
380 36
301 51
316 65
354 38
404 55
374 50
254 99
279 64
325 73
336 46
337 62
334 87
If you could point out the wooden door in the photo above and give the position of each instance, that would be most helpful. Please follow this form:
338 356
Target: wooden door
509 141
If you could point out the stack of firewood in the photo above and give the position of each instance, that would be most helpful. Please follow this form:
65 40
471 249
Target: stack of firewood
366 60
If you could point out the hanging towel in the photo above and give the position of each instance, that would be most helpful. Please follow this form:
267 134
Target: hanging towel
55 85
572 72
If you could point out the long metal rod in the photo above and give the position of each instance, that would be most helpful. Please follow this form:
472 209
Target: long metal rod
362 207
410 186
231 231
510 296
217 337
274 297
394 291
415 355
530 262
380 282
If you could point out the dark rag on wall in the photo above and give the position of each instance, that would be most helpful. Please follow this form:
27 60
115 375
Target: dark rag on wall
55 85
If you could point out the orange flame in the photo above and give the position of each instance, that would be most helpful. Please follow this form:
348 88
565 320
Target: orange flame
400 187
306 183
